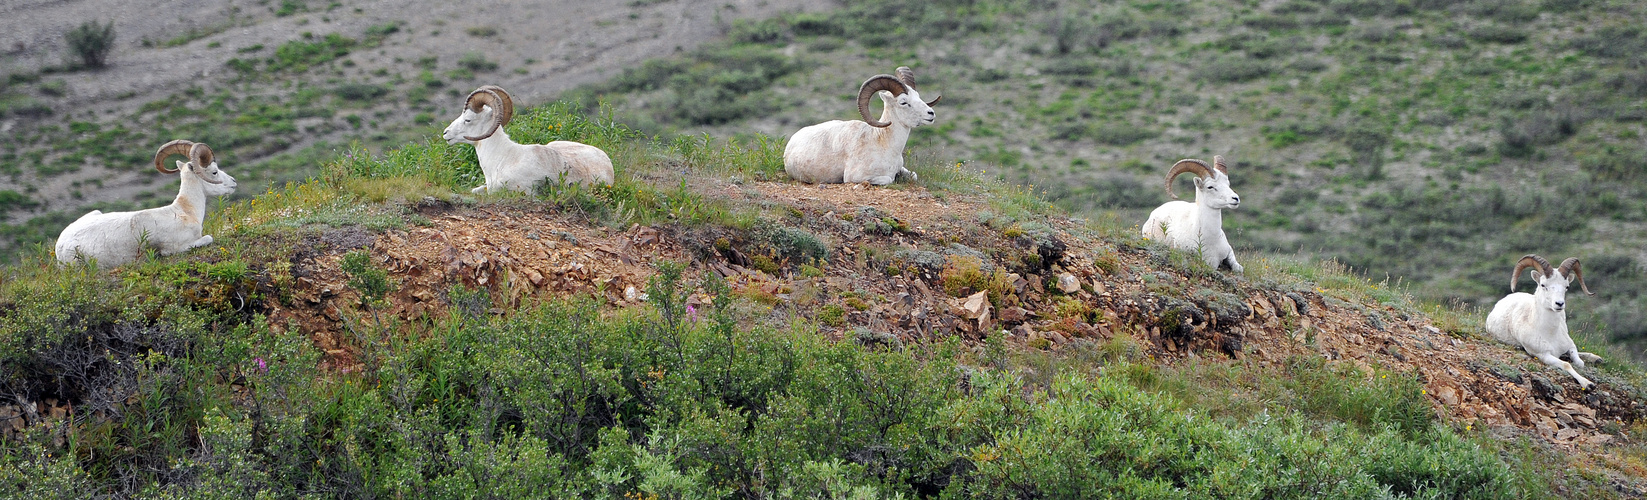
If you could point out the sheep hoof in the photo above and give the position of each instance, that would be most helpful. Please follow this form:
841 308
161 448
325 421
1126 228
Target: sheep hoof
1589 358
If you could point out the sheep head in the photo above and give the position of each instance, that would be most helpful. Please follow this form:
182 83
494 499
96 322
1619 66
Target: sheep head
901 98
202 163
1212 183
486 110
1552 283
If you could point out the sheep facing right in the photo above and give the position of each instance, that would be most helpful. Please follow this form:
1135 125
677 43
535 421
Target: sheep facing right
850 151
1200 225
1538 321
510 166
116 238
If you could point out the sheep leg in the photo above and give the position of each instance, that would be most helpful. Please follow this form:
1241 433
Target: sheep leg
479 189
1230 261
880 180
203 241
908 173
1588 357
1552 360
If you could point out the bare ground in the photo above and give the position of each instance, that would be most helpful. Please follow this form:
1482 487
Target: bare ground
522 254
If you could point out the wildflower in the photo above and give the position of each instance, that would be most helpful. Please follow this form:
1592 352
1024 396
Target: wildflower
261 366
692 312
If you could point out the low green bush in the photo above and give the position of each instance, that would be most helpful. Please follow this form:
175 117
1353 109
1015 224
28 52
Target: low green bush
91 42
670 401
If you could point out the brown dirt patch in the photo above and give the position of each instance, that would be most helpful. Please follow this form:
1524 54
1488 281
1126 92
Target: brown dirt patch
525 254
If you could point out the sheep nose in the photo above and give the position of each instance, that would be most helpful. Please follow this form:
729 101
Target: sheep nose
1560 303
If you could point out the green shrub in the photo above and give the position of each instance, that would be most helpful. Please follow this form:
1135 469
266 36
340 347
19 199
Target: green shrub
1497 33
299 55
798 246
289 7
1234 70
1122 134
371 282
91 42
476 62
832 315
13 200
360 91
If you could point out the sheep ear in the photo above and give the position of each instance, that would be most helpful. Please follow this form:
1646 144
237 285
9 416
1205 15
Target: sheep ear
182 165
1538 278
1197 181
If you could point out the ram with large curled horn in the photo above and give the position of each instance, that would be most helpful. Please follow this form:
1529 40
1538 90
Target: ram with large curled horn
509 166
115 238
1538 321
1198 226
872 150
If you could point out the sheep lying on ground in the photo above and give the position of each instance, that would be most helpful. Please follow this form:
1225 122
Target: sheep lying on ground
511 166
116 238
870 151
1198 226
1538 322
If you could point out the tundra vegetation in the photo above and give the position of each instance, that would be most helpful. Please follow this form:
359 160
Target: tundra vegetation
1421 141
183 388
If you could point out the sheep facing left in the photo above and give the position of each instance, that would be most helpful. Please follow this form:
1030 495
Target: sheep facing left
116 238
510 166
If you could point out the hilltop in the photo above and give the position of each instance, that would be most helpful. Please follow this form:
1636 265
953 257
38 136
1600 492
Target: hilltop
706 328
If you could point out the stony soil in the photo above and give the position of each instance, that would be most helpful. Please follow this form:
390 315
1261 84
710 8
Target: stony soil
522 253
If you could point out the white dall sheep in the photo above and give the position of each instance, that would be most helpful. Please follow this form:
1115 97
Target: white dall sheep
1198 226
116 238
1538 322
518 167
872 151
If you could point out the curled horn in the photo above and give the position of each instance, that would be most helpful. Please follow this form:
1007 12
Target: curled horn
508 107
875 84
177 147
907 76
1529 260
1570 267
1199 167
1218 163
202 156
503 108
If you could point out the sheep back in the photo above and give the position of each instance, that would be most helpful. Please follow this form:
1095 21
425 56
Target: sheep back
824 153
1179 217
113 238
106 237
584 164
